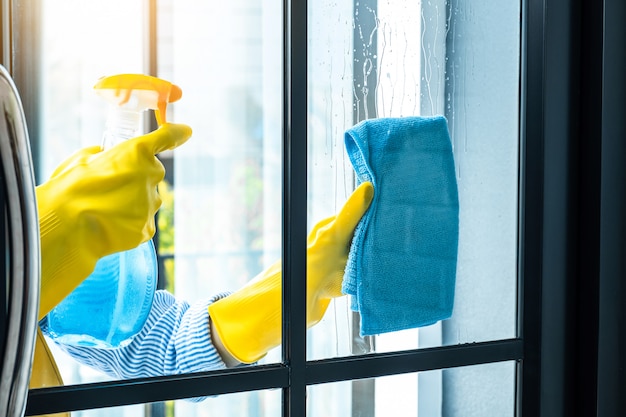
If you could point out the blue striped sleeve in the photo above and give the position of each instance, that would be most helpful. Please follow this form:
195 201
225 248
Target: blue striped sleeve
176 339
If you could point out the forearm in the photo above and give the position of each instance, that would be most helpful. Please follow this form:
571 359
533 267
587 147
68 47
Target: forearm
228 359
176 339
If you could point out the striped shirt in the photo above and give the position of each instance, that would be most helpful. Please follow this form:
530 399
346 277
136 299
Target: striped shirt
176 339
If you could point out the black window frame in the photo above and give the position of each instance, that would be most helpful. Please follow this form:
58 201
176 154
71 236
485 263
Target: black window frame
571 243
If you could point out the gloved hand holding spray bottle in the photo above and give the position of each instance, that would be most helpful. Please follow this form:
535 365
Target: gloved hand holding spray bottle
112 304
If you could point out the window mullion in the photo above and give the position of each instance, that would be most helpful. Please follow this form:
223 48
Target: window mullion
294 204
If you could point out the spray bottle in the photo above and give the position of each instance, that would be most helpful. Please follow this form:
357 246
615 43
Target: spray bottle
113 303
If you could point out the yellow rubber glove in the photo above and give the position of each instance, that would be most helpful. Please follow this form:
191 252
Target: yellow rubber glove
97 203
248 322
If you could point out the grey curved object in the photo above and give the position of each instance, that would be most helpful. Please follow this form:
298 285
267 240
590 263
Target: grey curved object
22 251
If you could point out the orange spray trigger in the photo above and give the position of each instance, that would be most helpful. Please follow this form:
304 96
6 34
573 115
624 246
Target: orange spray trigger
139 92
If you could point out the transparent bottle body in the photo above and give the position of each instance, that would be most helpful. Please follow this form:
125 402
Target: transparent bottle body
111 305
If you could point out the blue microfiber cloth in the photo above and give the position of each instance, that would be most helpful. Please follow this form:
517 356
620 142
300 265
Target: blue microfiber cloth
401 269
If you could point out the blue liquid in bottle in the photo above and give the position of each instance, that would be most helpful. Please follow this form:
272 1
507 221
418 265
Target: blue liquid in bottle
111 305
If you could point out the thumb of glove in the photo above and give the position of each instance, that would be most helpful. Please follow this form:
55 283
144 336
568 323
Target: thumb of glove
350 214
329 244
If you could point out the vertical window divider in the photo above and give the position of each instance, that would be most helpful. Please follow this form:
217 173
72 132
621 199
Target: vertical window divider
530 215
294 204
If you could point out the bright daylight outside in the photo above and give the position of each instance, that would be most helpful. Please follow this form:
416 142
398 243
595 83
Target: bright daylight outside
220 223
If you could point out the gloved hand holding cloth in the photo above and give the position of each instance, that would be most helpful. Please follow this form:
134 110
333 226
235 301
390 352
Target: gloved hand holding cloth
248 322
97 203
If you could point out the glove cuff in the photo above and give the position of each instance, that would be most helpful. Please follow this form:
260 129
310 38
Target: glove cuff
248 322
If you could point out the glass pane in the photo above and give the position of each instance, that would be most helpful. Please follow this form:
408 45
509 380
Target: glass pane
106 40
367 60
481 391
220 223
227 178
252 404
399 59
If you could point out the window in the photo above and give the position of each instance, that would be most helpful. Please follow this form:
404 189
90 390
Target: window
249 107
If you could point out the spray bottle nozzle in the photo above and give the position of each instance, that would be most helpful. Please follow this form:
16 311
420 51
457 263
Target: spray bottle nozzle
138 92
